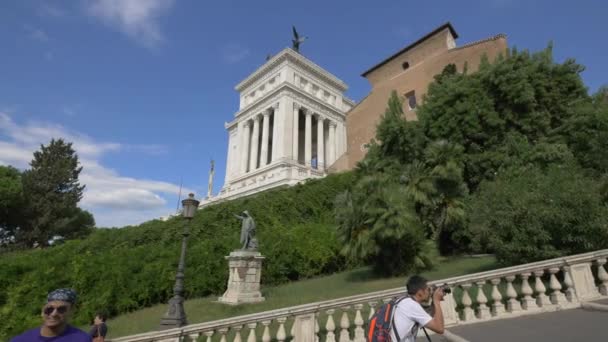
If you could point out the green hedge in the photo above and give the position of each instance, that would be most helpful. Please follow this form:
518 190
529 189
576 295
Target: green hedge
121 270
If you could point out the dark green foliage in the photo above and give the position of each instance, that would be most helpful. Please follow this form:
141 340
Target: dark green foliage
428 174
121 270
522 111
525 94
51 193
391 211
586 133
533 214
378 225
11 202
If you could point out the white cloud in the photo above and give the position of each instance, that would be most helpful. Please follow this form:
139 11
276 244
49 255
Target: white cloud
36 133
113 199
233 53
124 199
138 19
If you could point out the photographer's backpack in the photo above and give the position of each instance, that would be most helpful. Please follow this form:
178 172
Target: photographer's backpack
381 323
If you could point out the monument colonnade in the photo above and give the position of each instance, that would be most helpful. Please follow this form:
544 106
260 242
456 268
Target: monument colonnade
258 139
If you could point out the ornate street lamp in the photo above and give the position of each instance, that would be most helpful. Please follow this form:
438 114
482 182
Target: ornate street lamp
176 316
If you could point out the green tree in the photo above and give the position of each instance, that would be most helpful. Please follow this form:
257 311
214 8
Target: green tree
11 202
586 133
520 95
429 171
52 192
378 225
530 214
398 142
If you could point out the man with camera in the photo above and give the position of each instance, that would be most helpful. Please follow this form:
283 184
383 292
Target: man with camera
409 314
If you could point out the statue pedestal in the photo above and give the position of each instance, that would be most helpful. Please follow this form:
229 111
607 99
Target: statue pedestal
245 271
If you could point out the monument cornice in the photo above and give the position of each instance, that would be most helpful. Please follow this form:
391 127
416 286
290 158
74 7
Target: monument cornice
296 58
306 73
309 102
295 93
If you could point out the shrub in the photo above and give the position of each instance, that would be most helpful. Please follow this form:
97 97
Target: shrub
531 214
121 270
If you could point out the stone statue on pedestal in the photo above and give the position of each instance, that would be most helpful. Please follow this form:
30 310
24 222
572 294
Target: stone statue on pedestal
244 267
248 231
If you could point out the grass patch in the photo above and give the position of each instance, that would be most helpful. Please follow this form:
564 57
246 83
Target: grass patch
338 285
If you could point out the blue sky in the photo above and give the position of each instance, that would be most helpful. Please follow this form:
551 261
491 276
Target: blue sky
143 87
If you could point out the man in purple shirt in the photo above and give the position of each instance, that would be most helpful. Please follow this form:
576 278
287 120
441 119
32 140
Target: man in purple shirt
55 316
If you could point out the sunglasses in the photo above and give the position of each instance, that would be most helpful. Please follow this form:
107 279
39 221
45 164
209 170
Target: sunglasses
60 309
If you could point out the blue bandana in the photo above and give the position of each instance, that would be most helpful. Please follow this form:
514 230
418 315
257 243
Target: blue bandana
64 295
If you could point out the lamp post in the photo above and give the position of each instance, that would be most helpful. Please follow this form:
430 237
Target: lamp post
176 316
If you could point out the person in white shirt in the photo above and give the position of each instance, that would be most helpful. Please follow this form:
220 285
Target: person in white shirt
409 315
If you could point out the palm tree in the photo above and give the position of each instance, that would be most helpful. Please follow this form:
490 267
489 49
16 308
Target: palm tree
444 162
377 223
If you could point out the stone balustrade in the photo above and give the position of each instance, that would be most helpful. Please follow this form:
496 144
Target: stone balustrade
550 285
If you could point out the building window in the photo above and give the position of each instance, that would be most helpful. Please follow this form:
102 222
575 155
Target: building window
411 100
405 65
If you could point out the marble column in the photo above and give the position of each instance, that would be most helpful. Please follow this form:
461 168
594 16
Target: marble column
246 136
278 119
320 144
308 138
255 136
296 130
332 143
265 142
233 136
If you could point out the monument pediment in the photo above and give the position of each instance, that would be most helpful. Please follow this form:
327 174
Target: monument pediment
288 55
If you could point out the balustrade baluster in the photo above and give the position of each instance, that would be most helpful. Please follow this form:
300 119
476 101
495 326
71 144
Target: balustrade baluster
483 312
557 297
194 336
281 331
512 304
209 335
467 313
372 310
317 329
359 332
251 337
292 331
539 287
497 307
527 303
237 333
344 325
602 276
266 333
330 326
223 332
570 293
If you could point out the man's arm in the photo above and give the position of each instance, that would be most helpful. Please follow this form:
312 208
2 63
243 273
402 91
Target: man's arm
436 324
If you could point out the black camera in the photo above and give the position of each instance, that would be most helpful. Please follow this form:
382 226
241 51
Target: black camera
428 305
446 289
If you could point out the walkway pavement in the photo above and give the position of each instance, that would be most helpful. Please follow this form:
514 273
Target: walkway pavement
575 325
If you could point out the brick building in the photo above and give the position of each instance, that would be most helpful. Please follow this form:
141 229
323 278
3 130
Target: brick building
409 72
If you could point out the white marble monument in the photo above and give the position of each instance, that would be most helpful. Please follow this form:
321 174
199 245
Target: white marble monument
290 126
